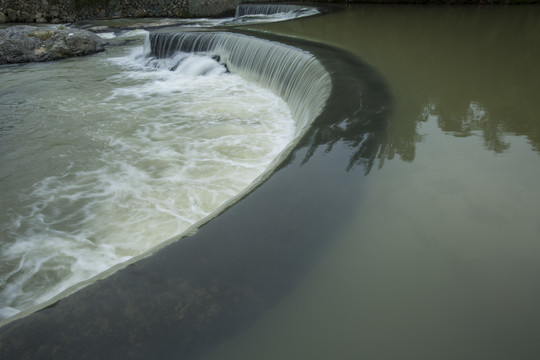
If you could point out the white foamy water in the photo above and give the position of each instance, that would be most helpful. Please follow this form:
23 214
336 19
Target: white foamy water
246 14
117 156
106 35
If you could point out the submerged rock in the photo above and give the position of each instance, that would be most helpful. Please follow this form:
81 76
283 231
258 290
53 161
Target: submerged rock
24 43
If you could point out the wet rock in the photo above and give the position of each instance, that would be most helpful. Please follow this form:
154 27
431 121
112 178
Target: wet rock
3 18
12 15
24 43
26 17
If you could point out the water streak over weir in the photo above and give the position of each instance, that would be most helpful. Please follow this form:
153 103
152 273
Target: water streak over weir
295 75
269 9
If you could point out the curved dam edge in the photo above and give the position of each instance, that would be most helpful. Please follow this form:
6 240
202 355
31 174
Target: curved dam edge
291 73
193 293
300 73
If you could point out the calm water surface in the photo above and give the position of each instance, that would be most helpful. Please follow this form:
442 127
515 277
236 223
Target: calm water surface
441 261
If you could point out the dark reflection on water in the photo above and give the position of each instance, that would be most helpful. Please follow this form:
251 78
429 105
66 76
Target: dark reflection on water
473 119
359 114
476 68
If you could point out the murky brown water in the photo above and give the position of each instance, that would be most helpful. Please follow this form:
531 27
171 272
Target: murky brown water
441 261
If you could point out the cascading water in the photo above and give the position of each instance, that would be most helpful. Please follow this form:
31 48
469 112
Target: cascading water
271 9
173 130
295 75
161 144
246 14
189 294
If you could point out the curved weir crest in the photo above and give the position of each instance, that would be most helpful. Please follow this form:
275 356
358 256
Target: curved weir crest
269 9
191 294
293 74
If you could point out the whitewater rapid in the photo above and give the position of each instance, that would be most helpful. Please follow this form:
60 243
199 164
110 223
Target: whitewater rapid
135 157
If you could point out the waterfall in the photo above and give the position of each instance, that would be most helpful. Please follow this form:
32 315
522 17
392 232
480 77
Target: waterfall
266 9
293 74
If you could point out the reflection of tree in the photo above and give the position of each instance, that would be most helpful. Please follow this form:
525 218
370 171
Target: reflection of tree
469 119
479 67
372 137
356 116
368 131
363 141
401 140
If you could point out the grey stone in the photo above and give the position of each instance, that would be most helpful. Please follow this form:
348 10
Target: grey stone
13 15
199 8
77 42
24 43
64 11
26 17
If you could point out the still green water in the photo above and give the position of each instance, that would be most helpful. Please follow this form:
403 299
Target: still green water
442 259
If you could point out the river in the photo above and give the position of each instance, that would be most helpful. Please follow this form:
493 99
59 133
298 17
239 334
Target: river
441 258
422 244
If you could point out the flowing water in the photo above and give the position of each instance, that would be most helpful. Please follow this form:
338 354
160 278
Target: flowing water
107 156
430 231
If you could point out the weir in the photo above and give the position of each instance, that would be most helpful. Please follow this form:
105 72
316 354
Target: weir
267 9
198 290
295 75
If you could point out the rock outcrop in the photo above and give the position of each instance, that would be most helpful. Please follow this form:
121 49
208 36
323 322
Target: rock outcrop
69 11
22 43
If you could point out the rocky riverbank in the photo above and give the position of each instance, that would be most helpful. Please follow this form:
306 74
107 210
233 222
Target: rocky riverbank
67 11
23 43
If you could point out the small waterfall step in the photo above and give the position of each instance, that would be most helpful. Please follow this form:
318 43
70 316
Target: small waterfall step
293 74
269 9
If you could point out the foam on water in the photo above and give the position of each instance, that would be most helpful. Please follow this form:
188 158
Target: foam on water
274 11
106 35
171 141
134 33
260 16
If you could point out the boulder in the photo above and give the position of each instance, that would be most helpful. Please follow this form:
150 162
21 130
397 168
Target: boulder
3 18
23 43
12 15
26 17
